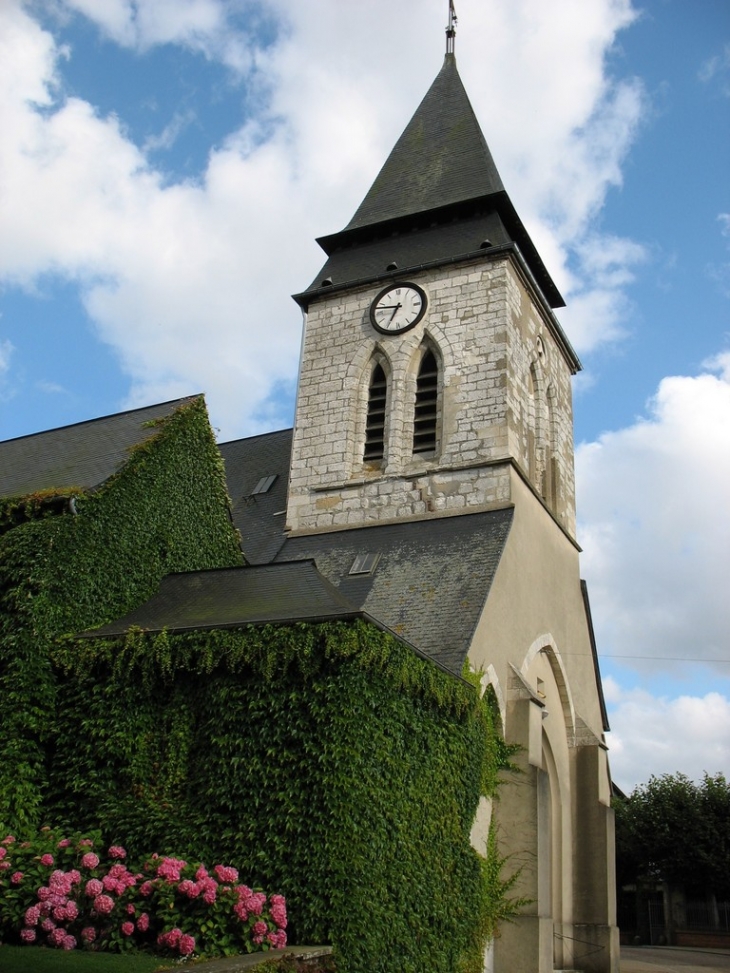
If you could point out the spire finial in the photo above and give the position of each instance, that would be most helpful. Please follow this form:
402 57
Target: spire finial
451 29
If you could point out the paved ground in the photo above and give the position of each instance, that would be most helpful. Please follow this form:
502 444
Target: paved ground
667 959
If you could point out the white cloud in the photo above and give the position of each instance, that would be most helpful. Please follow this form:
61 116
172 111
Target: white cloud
653 735
5 351
201 25
717 69
189 283
655 523
720 273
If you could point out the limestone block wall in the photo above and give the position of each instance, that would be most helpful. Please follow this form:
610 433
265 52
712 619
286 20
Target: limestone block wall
483 330
540 404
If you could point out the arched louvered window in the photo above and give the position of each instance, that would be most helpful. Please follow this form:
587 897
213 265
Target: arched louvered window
426 415
375 422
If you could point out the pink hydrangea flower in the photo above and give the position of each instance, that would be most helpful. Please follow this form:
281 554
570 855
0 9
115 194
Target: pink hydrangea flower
64 842
170 939
3 853
27 935
90 860
16 878
32 915
112 884
44 893
69 942
226 874
127 928
4 865
143 923
88 934
186 887
94 887
278 914
116 851
72 910
256 903
145 888
60 882
103 904
48 925
9 840
46 859
86 843
56 937
186 945
277 939
170 869
260 928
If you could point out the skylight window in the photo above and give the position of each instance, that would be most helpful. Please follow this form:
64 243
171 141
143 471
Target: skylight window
264 484
365 563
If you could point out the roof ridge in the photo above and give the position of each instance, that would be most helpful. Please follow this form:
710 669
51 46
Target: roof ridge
111 415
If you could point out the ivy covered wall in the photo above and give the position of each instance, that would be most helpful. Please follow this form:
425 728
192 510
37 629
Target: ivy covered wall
65 567
326 761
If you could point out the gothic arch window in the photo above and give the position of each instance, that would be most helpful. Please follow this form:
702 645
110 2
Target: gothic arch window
376 415
426 413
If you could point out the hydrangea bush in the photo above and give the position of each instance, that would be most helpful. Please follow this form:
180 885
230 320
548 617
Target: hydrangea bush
66 894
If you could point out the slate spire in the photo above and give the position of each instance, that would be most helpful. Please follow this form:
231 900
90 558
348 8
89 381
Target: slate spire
438 198
441 158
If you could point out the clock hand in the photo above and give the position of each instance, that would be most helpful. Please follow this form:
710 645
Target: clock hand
395 311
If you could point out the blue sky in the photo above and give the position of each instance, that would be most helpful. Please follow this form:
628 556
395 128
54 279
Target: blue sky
166 165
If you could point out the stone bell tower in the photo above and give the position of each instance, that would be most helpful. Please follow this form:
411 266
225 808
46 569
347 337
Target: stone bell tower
435 384
433 371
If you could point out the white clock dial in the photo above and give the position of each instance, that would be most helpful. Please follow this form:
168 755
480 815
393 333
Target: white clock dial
398 308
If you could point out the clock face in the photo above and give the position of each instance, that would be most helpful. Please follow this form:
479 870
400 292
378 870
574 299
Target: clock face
398 308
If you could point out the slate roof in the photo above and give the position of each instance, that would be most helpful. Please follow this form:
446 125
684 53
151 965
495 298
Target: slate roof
230 597
442 157
428 587
439 172
432 578
430 583
258 517
82 455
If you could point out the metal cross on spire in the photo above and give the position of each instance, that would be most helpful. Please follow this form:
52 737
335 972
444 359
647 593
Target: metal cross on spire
451 29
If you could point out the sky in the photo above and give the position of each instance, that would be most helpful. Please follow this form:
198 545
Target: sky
165 167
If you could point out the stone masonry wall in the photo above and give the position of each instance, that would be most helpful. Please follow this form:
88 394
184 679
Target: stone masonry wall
484 329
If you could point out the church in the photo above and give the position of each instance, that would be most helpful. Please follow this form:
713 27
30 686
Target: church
428 487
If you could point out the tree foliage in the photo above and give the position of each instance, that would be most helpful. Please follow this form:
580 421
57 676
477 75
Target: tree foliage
674 830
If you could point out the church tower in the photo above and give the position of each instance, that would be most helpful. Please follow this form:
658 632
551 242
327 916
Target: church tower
433 417
434 371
